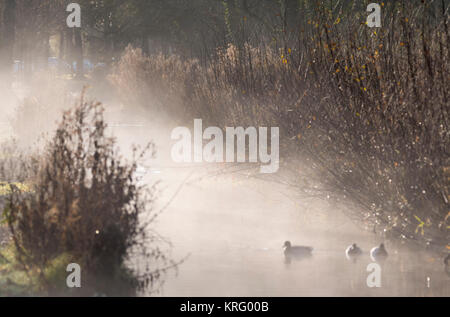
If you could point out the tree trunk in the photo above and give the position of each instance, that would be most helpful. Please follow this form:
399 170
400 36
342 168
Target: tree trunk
79 53
8 39
45 50
61 51
45 53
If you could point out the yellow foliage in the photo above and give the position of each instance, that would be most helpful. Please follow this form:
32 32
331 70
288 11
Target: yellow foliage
6 188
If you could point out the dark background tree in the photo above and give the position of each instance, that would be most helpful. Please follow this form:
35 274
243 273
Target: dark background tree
7 37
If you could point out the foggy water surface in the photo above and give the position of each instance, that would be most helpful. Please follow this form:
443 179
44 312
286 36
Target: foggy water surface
232 227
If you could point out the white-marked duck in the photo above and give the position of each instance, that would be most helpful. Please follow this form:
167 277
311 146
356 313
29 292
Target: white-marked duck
353 252
379 253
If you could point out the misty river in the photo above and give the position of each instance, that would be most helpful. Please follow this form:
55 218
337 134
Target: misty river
230 228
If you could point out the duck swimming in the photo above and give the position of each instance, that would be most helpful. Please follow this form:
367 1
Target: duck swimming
379 253
353 252
296 252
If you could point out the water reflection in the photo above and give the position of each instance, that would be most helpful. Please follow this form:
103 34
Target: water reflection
248 272
235 233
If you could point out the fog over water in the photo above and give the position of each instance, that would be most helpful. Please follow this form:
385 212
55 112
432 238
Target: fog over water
231 226
361 131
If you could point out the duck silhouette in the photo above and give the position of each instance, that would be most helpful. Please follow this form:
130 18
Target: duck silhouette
378 254
296 252
353 252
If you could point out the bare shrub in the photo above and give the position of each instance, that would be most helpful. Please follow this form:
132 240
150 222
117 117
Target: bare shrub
377 121
15 164
368 107
155 84
86 206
